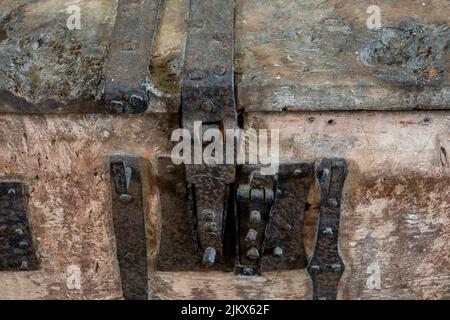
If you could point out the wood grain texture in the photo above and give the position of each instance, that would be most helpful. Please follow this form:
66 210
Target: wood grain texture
290 55
309 55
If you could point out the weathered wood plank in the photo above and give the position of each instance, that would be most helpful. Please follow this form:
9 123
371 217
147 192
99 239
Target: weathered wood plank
47 68
290 55
320 55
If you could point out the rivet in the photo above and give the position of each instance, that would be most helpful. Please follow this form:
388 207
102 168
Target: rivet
135 99
208 215
255 217
278 252
328 231
252 254
248 271
251 237
315 268
24 265
333 202
125 198
336 267
209 256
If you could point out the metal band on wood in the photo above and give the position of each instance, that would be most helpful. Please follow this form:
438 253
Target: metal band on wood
129 227
326 266
127 66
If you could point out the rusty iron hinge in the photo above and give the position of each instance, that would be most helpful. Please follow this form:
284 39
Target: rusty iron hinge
128 63
129 228
270 218
17 251
326 266
208 98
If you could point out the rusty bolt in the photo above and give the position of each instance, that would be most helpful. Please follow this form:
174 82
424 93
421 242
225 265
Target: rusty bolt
252 254
24 265
255 217
251 237
125 198
209 256
136 100
248 271
335 267
208 215
328 231
333 202
278 252
315 269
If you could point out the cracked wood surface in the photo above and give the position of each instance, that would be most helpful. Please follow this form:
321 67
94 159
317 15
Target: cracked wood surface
290 55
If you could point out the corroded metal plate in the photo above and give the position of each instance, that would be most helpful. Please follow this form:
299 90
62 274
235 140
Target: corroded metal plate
16 243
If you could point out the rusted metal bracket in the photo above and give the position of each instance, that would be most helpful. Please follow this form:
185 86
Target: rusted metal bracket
255 195
283 247
326 266
127 66
182 231
208 98
270 218
16 243
178 250
129 228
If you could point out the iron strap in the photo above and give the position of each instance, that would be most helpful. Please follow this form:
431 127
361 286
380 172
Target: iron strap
208 97
127 66
326 266
129 225
208 76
